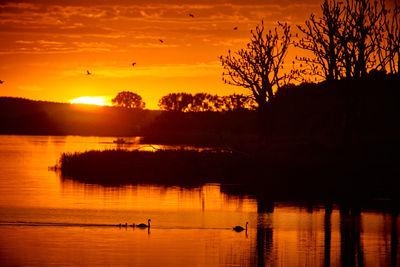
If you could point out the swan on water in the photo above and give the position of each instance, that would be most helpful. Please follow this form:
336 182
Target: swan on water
240 228
143 225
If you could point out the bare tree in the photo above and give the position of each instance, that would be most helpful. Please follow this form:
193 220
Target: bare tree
361 35
321 38
391 58
259 66
349 39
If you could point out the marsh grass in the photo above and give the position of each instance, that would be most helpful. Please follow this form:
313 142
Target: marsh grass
295 174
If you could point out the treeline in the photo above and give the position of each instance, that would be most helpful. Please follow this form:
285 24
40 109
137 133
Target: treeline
330 114
185 102
23 116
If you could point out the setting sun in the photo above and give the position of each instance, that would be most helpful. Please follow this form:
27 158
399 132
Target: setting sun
90 100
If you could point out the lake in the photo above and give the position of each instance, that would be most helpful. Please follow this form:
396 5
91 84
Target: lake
46 220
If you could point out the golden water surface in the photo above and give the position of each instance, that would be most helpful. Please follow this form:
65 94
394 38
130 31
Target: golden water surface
45 220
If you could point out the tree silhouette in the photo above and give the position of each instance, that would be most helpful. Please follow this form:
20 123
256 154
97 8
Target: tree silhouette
321 38
205 102
128 99
391 48
176 102
349 39
202 102
361 35
237 102
258 68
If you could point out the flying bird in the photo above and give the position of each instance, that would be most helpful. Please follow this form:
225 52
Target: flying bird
88 72
1 81
161 41
191 15
133 64
235 28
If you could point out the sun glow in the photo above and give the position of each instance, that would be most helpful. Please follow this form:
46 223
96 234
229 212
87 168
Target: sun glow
90 100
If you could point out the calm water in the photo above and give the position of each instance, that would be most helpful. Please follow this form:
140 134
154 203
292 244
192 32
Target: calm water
47 221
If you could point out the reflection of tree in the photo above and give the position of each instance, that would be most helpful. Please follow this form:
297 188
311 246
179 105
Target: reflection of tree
394 240
352 253
264 239
128 99
327 230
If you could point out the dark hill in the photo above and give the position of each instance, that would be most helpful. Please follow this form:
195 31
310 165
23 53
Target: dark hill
23 116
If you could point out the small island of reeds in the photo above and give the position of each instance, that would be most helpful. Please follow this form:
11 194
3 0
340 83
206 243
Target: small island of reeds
295 173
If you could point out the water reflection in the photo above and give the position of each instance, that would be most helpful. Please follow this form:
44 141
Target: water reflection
155 197
394 240
264 248
352 253
327 235
58 220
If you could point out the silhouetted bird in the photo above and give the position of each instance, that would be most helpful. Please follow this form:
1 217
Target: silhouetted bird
88 72
191 15
161 41
1 81
142 225
240 228
133 64
235 28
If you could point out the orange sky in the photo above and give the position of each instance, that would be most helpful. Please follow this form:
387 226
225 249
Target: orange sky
46 46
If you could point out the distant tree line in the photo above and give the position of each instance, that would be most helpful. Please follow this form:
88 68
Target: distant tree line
185 102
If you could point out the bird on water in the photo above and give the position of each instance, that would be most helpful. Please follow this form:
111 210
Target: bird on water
143 225
240 228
